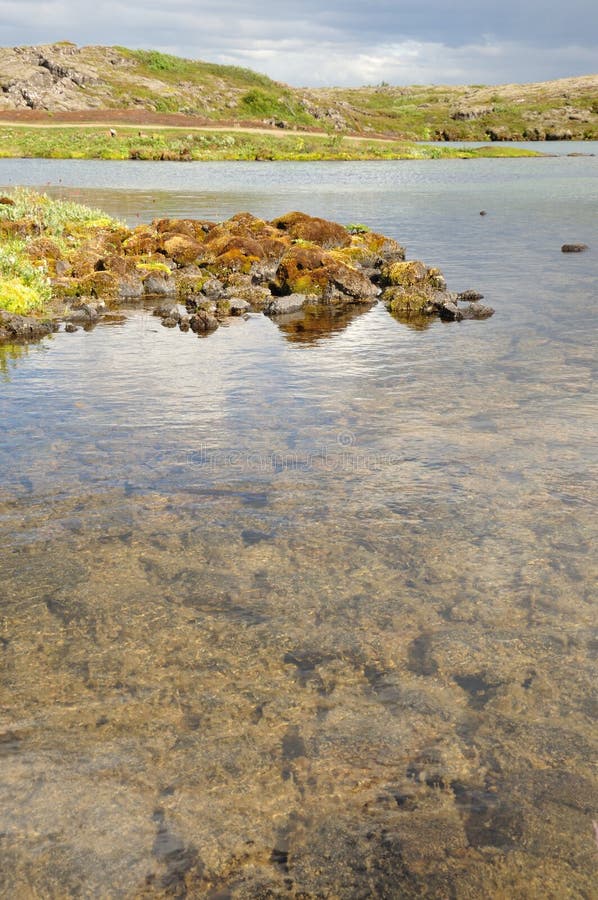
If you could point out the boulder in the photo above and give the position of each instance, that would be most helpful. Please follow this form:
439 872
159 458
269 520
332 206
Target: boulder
404 274
449 311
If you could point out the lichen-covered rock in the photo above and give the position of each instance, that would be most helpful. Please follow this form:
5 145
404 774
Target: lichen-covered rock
104 285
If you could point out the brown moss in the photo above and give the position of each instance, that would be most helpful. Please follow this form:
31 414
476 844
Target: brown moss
182 249
143 241
102 285
19 228
197 229
84 261
43 249
310 228
310 270
64 288
119 265
245 246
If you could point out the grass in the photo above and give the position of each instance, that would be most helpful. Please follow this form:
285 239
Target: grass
182 144
25 287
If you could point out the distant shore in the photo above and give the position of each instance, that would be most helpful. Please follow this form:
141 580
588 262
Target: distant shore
167 142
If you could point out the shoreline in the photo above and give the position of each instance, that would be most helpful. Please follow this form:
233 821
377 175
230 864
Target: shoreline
166 143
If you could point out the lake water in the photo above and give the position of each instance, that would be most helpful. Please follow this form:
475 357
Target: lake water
310 613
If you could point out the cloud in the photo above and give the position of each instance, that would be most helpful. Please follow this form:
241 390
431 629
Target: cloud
344 43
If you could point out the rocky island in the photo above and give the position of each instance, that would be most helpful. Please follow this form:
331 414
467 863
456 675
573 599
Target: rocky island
63 265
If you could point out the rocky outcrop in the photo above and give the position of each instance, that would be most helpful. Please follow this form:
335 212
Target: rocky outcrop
197 274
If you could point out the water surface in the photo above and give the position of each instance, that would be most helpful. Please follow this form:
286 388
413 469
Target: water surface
310 611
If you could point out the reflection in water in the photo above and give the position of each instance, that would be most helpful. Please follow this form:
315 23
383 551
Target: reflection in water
308 619
415 321
9 355
310 326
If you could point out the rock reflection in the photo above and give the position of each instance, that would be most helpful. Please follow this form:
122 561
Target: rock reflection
318 323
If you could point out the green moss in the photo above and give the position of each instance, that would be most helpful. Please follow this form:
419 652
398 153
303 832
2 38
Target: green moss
152 267
20 298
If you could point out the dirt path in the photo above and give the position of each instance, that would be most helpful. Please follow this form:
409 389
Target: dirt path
244 128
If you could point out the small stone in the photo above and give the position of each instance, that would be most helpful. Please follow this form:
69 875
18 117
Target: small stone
574 248
70 327
482 212
169 322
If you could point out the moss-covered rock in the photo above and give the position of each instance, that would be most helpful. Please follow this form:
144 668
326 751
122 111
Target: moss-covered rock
300 226
310 270
404 274
143 241
415 298
182 249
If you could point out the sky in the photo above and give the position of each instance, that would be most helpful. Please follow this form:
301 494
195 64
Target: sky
335 42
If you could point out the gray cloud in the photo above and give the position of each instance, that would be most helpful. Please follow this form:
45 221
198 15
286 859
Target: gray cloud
342 43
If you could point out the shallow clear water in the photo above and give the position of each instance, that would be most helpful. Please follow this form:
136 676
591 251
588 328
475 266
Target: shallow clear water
310 613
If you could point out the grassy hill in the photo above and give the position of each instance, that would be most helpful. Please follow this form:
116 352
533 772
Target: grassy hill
61 80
